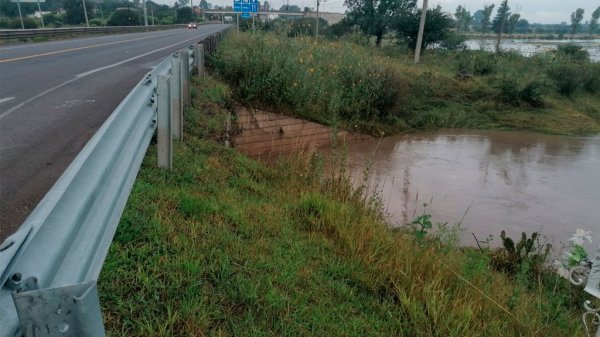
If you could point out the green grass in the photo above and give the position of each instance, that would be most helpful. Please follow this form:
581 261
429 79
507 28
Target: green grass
222 245
346 84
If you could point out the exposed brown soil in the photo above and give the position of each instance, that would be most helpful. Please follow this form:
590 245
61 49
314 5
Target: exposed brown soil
266 134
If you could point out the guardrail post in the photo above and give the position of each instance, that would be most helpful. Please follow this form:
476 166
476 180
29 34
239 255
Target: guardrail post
184 56
176 102
199 59
164 136
72 310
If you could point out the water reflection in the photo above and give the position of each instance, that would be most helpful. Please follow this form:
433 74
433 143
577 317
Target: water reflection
515 181
529 47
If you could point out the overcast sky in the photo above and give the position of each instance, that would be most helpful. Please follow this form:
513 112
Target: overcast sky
535 11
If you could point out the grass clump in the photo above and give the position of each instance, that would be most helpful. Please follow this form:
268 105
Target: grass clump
222 245
349 85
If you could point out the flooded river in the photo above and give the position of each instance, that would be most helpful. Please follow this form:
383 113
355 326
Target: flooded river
529 47
516 181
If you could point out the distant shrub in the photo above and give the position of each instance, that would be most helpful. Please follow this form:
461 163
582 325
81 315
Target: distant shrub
29 23
167 20
123 17
306 27
51 18
574 52
4 23
339 29
453 42
477 63
96 23
514 90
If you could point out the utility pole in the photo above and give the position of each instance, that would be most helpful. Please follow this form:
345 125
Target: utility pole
41 15
317 22
20 15
101 13
87 23
152 14
145 13
421 29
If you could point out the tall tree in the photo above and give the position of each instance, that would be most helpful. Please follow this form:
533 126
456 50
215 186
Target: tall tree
463 19
290 8
185 14
522 26
437 27
487 14
576 18
500 23
203 4
594 20
512 23
374 17
74 11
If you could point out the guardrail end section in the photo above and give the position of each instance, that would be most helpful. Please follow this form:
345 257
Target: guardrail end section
72 310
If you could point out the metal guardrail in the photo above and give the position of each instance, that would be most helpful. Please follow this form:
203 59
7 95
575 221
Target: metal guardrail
49 267
22 34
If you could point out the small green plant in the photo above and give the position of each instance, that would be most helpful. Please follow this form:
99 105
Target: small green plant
512 257
421 226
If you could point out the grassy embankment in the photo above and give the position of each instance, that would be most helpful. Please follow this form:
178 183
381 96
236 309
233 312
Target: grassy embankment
222 245
358 87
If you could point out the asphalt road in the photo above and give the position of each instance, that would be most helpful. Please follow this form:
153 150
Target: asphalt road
53 98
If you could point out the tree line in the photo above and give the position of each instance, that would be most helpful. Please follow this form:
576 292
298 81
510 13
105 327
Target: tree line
401 17
60 13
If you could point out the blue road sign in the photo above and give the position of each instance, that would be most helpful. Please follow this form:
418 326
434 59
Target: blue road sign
245 15
246 6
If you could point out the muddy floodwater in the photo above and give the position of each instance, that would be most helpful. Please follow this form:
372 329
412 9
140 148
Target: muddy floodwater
488 180
529 47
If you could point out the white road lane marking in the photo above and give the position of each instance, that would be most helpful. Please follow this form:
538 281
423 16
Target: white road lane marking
6 99
82 75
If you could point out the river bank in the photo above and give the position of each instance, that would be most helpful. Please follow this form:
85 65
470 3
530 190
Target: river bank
356 87
224 245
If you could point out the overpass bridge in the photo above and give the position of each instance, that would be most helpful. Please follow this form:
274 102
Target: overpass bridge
331 18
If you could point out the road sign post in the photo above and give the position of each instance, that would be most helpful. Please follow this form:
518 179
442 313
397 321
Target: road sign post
246 7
